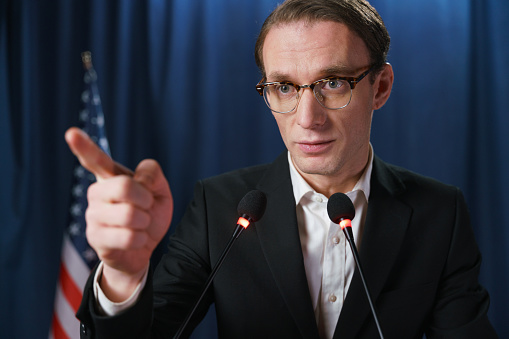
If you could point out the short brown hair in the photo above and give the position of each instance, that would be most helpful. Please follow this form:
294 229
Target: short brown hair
357 15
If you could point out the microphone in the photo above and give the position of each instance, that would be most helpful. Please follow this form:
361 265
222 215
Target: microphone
250 209
341 211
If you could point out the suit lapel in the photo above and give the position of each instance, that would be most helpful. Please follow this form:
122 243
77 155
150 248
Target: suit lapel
279 238
386 224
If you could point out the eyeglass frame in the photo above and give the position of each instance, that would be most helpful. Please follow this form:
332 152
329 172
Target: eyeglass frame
352 81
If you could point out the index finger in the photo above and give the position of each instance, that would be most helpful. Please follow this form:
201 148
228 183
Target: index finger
91 156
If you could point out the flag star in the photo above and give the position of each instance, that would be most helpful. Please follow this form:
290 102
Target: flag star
84 115
75 229
99 121
85 96
89 254
103 143
76 210
96 100
79 172
77 191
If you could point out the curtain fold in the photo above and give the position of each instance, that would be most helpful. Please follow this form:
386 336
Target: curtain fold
177 80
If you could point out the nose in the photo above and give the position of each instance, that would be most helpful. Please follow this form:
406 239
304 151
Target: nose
310 114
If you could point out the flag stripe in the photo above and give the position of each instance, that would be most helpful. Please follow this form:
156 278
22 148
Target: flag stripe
71 292
57 330
65 315
74 263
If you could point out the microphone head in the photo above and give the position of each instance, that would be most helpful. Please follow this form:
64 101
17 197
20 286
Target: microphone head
340 207
253 205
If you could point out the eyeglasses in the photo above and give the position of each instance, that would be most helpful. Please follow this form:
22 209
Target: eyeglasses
331 92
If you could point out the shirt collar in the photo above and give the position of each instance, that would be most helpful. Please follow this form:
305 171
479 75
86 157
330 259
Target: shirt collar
301 187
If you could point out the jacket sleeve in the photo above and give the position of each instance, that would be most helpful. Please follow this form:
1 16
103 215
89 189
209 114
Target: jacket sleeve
132 323
170 291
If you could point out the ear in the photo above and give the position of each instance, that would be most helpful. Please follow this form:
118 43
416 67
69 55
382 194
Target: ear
383 86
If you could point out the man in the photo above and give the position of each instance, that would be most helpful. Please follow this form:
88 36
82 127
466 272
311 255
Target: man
291 275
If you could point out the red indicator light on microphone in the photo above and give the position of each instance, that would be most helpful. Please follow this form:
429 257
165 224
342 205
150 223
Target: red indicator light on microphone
345 223
243 222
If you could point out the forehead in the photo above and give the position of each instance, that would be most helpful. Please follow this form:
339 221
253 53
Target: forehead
308 50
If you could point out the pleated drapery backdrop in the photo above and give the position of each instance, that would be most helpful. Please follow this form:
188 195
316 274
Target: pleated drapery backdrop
177 80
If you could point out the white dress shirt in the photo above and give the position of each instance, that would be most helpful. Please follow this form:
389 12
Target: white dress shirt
328 259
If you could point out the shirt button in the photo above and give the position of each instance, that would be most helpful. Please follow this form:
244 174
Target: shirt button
318 199
335 240
332 298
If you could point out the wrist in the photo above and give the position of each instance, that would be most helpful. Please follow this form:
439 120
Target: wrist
117 285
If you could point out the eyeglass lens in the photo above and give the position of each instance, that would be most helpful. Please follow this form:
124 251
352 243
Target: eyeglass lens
331 94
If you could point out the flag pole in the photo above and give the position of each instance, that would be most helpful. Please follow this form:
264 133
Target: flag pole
86 58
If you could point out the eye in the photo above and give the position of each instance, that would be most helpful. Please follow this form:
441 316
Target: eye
284 88
333 84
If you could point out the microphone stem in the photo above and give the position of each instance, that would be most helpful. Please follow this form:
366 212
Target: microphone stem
236 233
349 237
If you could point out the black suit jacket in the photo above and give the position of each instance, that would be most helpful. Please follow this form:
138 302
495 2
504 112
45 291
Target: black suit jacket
418 252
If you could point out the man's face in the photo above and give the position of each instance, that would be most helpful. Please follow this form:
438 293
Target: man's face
323 143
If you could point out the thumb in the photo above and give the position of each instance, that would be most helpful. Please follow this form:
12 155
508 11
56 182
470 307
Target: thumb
149 174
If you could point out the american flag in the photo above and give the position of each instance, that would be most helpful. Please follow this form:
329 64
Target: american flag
78 258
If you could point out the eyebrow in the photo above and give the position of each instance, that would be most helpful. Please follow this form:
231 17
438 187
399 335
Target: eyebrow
341 70
336 70
278 77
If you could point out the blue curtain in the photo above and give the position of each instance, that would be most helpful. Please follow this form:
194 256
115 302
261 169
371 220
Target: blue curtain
177 84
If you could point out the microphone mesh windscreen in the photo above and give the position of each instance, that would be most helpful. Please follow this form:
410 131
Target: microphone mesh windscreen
253 205
340 207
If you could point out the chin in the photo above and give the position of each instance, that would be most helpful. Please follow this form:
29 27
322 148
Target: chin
316 166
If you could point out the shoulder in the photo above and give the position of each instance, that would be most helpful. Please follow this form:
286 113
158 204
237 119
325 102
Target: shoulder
264 177
399 179
416 190
247 176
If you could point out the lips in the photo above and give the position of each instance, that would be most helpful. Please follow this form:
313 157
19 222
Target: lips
314 147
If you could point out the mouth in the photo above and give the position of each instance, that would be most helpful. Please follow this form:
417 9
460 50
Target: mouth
315 147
